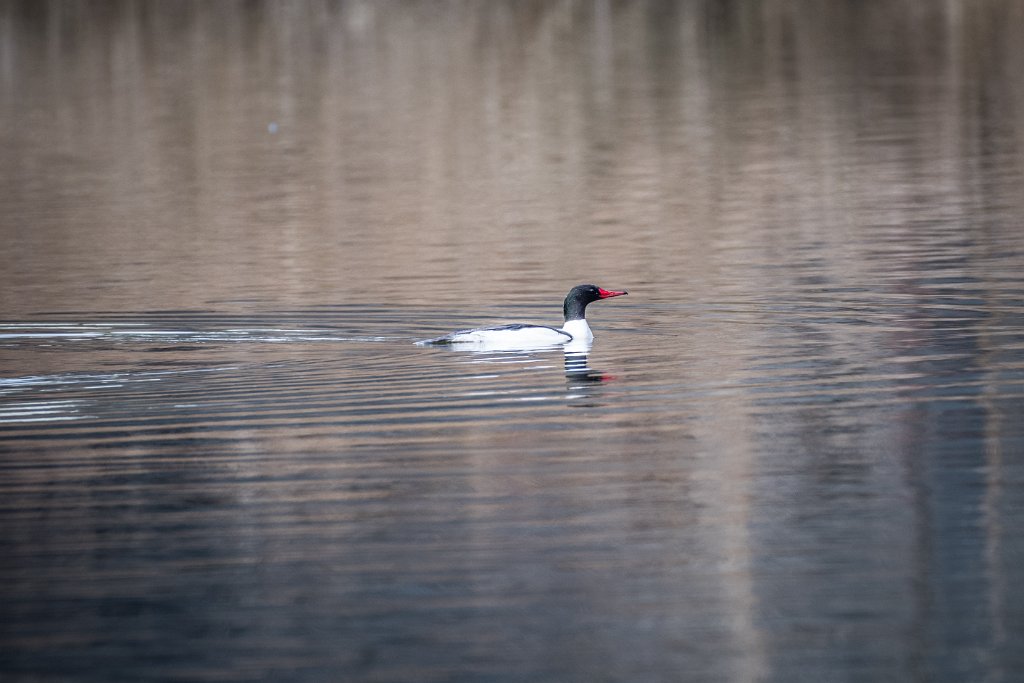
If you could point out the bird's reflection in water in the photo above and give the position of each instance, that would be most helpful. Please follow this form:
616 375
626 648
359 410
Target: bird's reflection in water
582 381
577 368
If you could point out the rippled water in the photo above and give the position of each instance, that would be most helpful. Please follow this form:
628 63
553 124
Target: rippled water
795 451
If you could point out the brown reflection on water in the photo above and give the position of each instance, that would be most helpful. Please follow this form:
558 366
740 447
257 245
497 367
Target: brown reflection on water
815 206
436 150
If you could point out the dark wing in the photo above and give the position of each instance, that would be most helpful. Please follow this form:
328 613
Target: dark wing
515 326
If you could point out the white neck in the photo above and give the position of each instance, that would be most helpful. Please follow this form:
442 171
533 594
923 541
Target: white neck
579 329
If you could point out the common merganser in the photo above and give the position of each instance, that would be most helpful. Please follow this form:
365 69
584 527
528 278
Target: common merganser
519 335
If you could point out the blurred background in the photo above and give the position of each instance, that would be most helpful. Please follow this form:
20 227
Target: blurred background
158 154
799 456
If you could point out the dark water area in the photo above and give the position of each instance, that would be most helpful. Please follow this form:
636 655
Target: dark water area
795 451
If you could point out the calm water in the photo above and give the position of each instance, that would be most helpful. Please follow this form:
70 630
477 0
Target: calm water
794 453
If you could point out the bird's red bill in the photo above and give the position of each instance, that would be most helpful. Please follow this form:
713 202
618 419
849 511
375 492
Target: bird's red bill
608 293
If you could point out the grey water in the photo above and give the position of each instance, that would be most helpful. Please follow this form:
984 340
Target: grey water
795 451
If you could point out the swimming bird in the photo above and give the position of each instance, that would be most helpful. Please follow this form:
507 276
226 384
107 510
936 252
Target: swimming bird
520 335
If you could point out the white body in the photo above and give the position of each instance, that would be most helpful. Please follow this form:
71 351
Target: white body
524 338
575 333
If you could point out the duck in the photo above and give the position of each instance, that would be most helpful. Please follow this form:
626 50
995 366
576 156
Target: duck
574 327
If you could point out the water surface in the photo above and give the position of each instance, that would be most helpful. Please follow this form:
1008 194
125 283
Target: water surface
794 451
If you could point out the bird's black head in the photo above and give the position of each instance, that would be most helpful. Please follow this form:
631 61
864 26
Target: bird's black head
576 300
